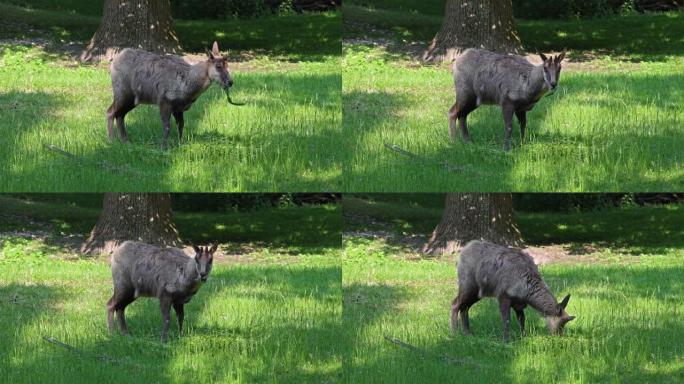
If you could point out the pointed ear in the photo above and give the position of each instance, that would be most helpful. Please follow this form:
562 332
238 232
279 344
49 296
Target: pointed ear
560 57
570 318
209 54
215 50
197 249
543 57
564 303
213 248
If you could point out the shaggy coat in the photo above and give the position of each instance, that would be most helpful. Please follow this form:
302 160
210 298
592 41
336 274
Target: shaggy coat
141 77
140 269
489 270
483 77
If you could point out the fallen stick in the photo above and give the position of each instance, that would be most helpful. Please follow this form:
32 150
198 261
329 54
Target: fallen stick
83 161
448 166
104 358
446 358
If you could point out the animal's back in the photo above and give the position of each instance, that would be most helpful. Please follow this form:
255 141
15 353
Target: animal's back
487 75
147 76
496 269
133 263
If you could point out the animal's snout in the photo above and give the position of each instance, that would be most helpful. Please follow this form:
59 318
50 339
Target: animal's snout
203 277
229 82
553 84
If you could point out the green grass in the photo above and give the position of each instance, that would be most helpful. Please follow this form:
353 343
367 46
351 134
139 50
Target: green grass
270 311
613 126
249 323
612 130
627 299
284 139
627 328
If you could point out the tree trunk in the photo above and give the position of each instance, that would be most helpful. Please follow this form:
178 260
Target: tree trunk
474 216
145 217
144 24
484 24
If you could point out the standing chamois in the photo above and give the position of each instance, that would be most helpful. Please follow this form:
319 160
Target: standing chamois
483 77
140 269
489 270
141 77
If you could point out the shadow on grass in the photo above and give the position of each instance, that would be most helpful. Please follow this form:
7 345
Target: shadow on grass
649 37
309 37
627 350
628 230
143 166
281 343
442 166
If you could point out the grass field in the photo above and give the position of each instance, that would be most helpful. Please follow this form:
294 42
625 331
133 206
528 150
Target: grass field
284 139
614 125
270 313
627 300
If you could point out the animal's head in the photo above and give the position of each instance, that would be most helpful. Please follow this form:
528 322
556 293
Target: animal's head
556 323
218 67
552 69
204 256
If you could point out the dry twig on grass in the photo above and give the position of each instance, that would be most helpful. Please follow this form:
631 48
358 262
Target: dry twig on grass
445 358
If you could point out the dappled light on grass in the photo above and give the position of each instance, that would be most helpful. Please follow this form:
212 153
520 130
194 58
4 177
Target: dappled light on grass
612 130
627 324
249 323
285 138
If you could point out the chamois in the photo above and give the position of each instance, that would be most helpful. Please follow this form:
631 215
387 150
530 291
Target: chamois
490 270
141 77
167 273
483 77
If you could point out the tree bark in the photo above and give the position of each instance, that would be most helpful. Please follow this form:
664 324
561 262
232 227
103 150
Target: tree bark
145 217
144 24
486 24
474 216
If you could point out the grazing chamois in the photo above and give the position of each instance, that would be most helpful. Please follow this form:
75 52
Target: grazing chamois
490 270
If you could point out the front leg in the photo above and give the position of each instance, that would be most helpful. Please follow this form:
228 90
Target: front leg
505 308
178 115
507 109
165 305
520 314
522 119
180 314
165 110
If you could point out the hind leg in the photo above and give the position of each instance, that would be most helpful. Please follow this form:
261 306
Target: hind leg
462 111
110 122
110 313
118 110
461 305
121 305
453 112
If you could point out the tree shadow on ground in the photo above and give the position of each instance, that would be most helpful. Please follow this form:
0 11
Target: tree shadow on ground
277 345
608 336
484 166
99 165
